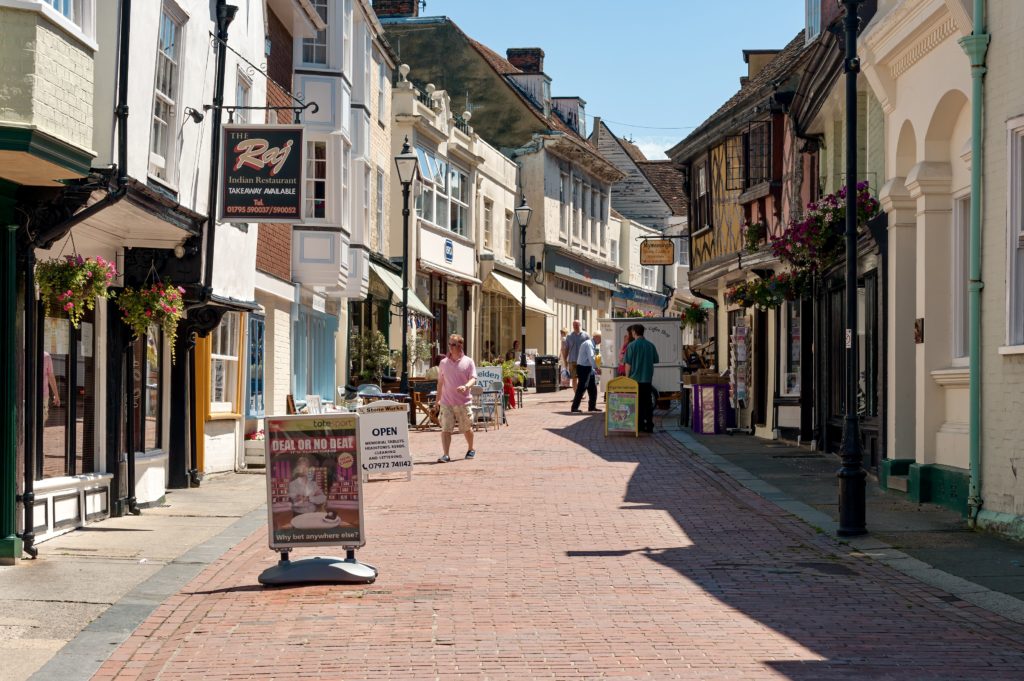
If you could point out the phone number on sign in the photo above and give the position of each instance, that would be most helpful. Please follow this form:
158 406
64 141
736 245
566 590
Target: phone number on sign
385 465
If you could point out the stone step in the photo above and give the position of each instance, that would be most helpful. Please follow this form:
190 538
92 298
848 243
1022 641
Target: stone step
898 482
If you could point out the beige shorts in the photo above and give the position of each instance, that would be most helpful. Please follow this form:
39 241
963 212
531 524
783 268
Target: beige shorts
572 369
452 416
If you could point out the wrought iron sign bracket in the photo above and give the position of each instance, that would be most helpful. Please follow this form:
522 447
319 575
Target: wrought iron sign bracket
298 109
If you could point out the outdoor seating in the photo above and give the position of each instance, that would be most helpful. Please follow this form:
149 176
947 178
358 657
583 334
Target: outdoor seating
426 409
485 406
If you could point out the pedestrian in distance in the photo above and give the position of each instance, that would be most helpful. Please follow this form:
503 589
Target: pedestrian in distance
641 356
626 340
456 375
586 368
573 343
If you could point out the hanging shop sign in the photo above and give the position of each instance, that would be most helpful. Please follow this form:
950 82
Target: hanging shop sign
315 494
657 252
261 173
384 438
621 400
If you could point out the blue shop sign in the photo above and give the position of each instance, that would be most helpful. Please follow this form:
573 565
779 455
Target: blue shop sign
449 250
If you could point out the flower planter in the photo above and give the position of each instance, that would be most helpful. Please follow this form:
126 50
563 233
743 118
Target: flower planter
255 453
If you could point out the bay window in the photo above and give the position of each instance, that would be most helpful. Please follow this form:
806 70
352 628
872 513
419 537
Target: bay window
316 180
442 196
314 50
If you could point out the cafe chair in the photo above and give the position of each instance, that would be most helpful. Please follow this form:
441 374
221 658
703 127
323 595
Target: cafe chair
484 407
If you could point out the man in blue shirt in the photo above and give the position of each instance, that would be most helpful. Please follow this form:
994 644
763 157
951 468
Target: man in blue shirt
641 356
586 371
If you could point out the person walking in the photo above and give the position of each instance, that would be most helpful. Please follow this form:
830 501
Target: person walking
573 343
456 375
641 356
586 368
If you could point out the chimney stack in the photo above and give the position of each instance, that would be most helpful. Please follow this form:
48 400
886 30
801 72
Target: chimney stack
526 59
396 8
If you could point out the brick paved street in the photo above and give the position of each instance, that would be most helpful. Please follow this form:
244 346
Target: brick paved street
560 554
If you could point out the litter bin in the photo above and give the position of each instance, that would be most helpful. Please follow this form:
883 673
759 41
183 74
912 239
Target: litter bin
547 373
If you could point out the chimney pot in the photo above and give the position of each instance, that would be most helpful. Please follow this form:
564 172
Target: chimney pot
397 8
526 59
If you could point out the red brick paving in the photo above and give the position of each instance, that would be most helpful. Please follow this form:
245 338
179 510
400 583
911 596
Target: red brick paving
559 554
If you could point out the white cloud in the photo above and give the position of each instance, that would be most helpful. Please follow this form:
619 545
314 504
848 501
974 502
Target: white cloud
654 147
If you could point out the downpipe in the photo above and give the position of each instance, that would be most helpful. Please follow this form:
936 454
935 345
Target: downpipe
976 48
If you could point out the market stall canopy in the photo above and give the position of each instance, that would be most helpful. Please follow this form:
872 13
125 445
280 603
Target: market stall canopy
394 284
515 289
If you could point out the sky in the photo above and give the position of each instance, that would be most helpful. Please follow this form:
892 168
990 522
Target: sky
651 69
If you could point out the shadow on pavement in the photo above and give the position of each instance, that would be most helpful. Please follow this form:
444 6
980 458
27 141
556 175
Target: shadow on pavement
860 618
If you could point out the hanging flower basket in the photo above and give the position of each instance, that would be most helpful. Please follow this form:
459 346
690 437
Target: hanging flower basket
815 243
73 284
694 315
160 304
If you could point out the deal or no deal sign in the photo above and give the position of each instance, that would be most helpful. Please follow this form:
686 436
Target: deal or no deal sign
384 438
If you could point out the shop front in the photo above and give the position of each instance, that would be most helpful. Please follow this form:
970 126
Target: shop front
501 316
446 281
630 301
576 289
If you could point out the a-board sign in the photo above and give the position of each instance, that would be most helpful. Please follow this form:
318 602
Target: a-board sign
621 400
262 173
487 375
657 252
384 438
315 493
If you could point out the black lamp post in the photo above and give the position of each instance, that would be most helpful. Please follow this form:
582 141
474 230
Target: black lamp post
523 213
407 164
851 474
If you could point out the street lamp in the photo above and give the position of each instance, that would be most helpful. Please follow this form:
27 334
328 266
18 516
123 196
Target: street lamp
851 474
407 164
523 213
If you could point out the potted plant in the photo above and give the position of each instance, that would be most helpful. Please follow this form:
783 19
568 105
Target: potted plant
754 235
160 304
72 284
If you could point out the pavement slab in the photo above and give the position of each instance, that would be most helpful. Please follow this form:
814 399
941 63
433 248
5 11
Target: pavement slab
560 553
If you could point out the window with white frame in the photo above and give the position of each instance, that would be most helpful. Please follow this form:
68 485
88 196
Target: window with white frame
576 187
314 50
563 199
78 12
383 78
460 201
585 215
812 14
224 347
346 37
604 223
613 250
961 274
650 276
380 210
346 187
1015 234
367 200
595 214
316 180
684 251
489 224
243 89
508 233
162 142
442 196
367 63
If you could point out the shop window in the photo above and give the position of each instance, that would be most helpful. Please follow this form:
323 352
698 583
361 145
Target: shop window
1015 233
148 394
313 354
793 348
254 399
68 395
225 345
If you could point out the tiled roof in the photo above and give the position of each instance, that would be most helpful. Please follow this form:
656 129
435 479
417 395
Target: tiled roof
667 180
497 62
632 150
505 68
771 72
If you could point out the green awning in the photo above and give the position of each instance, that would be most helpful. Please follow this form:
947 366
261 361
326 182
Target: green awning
394 284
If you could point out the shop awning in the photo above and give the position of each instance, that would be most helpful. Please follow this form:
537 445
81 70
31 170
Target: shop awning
394 284
515 289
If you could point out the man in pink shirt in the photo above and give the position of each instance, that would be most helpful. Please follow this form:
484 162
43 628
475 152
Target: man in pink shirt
456 375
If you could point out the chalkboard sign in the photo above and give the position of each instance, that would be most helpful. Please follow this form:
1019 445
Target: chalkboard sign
621 401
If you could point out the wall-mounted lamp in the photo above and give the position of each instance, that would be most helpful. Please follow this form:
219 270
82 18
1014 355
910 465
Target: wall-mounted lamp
196 116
